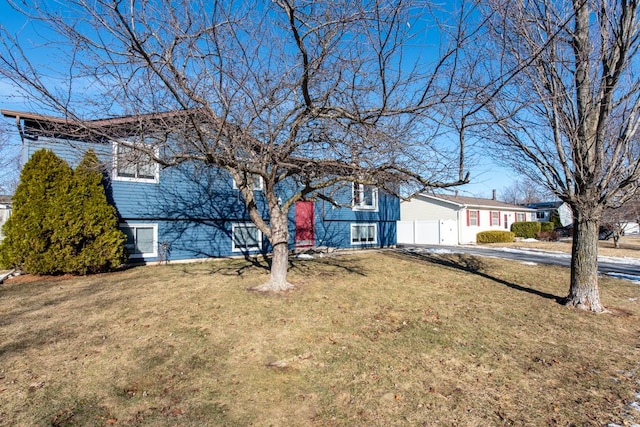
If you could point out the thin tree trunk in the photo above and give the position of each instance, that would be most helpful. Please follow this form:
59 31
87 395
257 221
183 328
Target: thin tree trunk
583 292
280 262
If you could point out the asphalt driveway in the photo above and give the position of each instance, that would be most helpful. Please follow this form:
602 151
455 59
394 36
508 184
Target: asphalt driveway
622 267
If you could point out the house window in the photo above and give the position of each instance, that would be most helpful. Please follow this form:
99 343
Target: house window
473 218
5 213
521 217
541 215
365 197
495 218
245 237
130 164
258 183
142 239
363 234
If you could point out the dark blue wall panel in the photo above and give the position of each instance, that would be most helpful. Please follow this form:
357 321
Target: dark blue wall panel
196 208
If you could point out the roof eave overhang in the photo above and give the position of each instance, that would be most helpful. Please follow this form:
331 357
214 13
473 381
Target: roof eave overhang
476 206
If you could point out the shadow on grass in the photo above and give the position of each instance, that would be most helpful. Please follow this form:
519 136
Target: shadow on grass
238 267
39 327
349 265
474 265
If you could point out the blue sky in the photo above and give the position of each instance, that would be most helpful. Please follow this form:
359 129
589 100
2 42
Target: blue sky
485 174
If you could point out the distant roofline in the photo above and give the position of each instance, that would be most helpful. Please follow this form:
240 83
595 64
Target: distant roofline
546 205
475 202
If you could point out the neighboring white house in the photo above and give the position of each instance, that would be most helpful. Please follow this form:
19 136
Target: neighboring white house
631 227
544 210
5 212
450 220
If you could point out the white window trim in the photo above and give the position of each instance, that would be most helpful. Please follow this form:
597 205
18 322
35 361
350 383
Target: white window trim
497 214
260 188
358 224
245 225
477 218
155 238
361 206
116 177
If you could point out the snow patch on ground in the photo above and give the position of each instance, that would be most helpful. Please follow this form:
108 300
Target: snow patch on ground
436 251
557 254
631 277
6 274
529 239
620 260
440 251
528 263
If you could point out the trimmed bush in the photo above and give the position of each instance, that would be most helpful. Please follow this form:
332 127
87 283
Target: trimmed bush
547 236
527 229
61 220
546 227
495 236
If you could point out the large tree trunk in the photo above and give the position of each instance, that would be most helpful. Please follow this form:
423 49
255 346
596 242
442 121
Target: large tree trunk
583 292
279 239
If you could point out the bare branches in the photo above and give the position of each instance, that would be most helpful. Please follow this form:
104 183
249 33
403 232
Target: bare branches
307 95
302 78
569 117
565 110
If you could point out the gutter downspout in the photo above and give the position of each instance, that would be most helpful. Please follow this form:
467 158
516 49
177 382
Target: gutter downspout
460 224
23 160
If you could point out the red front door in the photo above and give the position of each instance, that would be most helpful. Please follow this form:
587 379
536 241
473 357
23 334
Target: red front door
304 224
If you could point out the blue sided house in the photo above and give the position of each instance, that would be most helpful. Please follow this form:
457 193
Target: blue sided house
192 212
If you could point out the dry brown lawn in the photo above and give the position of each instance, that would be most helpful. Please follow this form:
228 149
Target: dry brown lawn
368 339
629 246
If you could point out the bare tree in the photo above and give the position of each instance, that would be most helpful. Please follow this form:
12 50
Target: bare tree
569 117
523 192
633 209
619 219
304 94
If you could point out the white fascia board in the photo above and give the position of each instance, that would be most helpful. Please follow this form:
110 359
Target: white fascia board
432 197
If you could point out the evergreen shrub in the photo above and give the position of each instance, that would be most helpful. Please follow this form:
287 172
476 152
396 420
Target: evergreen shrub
61 220
546 227
495 236
526 229
555 219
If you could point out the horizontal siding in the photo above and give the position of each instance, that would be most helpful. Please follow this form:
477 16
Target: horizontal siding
178 194
195 210
388 209
69 151
418 209
337 234
207 239
468 233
